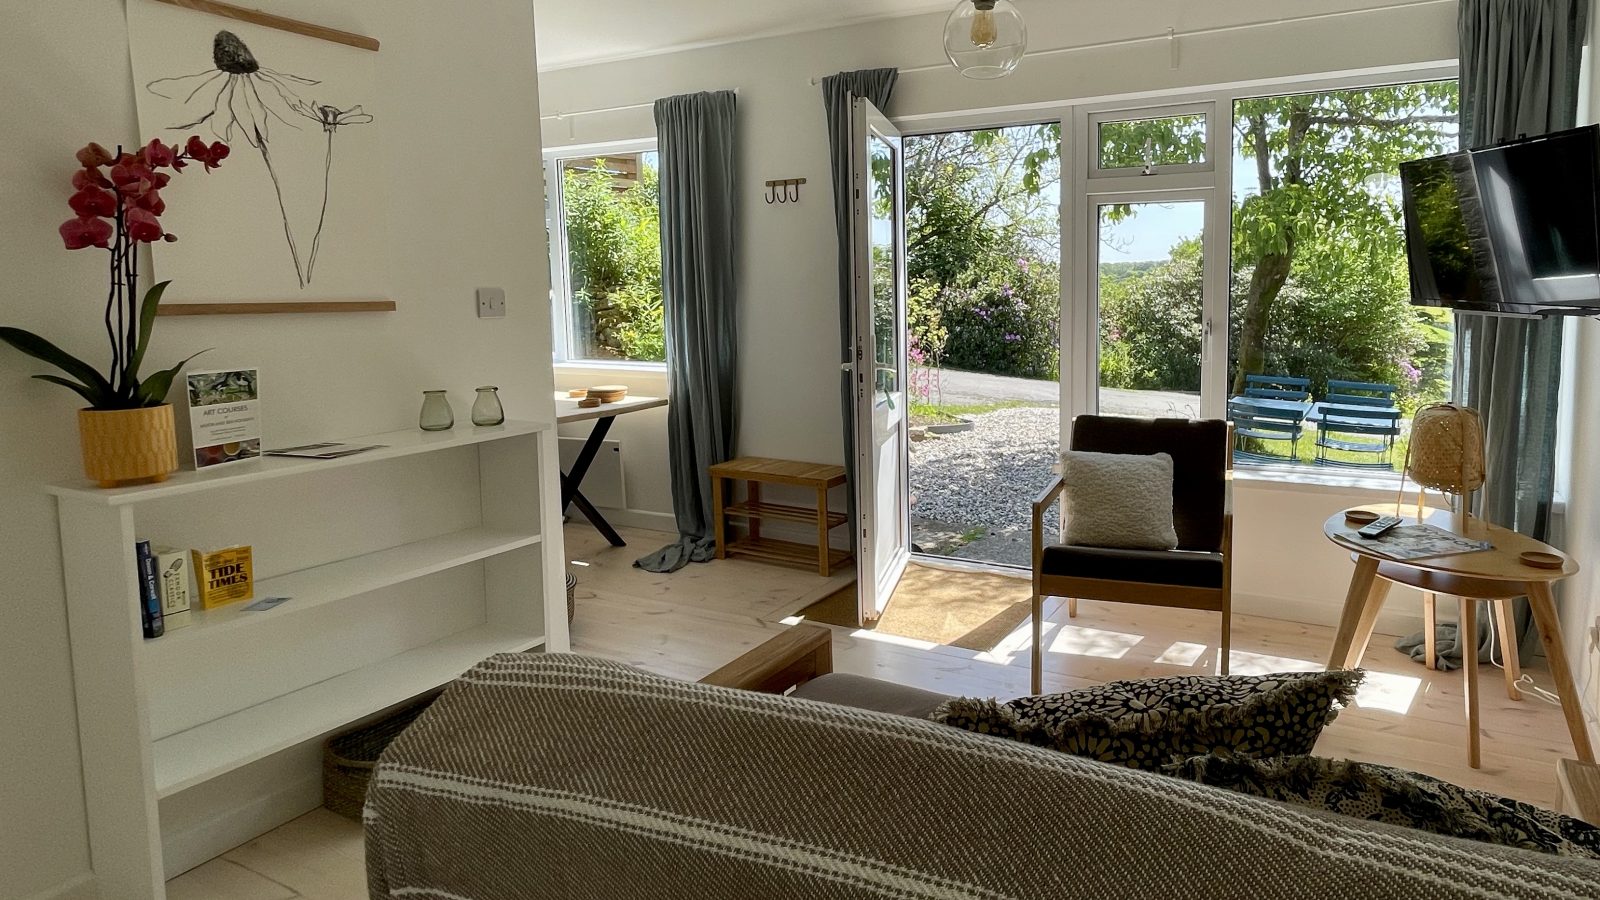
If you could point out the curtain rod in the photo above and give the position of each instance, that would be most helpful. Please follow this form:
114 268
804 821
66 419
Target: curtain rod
1172 35
604 109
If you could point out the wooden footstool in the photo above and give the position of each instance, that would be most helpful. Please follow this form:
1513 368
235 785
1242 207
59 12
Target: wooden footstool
755 471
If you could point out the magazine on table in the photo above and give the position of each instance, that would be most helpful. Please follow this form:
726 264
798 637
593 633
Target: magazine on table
325 450
1407 542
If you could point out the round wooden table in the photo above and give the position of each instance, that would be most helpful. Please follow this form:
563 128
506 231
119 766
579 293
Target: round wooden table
1493 575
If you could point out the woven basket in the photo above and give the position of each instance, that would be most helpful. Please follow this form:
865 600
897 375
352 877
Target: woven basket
349 758
572 595
1446 449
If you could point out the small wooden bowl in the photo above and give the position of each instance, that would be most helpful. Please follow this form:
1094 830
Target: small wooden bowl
609 393
1360 516
578 393
1541 560
589 403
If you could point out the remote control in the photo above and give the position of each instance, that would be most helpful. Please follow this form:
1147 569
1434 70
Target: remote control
1376 529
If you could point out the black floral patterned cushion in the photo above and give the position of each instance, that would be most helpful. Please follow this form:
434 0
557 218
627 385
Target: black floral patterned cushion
1398 797
1151 722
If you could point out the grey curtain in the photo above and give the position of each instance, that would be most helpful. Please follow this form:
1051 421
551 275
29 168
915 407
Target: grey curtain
1519 77
695 147
877 86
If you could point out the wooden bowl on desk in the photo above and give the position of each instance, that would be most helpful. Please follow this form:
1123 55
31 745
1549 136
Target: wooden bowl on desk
608 393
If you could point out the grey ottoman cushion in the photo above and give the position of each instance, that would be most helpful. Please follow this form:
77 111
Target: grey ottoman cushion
860 692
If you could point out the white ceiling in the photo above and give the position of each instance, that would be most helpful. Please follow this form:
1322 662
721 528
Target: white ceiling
572 32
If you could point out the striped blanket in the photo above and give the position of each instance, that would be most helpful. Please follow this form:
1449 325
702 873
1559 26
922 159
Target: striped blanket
560 776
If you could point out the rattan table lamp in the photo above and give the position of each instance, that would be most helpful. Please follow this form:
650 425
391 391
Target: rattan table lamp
1445 453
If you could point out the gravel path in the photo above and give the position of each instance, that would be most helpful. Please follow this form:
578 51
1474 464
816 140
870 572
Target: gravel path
989 475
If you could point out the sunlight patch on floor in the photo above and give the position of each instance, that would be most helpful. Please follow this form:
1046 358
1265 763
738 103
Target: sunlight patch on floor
1079 641
1243 662
1182 653
1388 692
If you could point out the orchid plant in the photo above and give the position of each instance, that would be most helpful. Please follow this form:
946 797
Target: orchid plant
117 206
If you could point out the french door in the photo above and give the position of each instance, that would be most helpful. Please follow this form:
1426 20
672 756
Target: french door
878 359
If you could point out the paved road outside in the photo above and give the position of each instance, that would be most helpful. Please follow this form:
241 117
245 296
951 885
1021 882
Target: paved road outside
958 388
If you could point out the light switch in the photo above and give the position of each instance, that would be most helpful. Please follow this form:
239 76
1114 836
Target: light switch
491 303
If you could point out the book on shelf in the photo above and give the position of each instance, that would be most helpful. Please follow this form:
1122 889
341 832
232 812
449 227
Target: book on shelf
172 573
150 618
223 576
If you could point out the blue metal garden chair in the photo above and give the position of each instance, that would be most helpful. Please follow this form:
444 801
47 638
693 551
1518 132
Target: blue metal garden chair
1355 428
1360 393
1277 387
1267 419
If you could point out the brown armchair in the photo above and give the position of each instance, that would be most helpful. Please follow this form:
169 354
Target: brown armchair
1197 575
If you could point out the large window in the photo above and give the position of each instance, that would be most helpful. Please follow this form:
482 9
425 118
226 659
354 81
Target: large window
606 258
1319 287
1243 256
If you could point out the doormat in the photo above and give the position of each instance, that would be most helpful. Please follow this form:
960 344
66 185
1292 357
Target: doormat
971 610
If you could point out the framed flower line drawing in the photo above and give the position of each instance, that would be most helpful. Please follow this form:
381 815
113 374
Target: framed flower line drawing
300 214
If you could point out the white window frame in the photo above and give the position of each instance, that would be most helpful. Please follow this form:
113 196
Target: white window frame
560 272
1089 185
1123 113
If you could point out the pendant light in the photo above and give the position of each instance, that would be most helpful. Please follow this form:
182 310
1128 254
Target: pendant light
985 38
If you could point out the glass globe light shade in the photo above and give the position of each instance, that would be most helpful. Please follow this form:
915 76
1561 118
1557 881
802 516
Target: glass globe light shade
985 38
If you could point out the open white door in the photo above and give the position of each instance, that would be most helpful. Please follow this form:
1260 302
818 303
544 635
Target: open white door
883 529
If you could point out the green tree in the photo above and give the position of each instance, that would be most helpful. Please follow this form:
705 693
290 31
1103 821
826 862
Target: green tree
1322 163
982 237
614 245
1321 199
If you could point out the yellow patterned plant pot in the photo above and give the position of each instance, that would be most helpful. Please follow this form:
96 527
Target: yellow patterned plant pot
123 446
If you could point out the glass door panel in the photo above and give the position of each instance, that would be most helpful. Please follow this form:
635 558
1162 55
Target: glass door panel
883 531
1149 284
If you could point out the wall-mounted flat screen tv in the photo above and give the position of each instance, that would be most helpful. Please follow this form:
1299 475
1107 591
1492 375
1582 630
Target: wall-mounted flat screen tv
1511 229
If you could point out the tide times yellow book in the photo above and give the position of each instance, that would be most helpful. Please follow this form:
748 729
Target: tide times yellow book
223 576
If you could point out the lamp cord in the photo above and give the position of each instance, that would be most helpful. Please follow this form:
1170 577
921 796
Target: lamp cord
1524 682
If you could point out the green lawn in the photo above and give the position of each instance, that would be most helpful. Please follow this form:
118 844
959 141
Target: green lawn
1307 447
924 413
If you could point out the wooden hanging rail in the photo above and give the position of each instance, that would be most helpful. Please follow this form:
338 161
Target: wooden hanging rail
263 309
282 23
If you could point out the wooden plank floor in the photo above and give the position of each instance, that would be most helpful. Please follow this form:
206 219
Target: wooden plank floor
691 622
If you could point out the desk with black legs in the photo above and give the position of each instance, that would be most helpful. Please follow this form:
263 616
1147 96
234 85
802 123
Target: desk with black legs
567 412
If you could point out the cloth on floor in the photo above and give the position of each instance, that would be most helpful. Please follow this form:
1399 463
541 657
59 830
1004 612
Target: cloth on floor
1447 649
673 557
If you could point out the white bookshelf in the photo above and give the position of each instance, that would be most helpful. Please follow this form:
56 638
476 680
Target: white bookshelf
406 566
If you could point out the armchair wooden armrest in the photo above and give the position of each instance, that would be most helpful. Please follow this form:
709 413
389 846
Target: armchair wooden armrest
1041 503
792 658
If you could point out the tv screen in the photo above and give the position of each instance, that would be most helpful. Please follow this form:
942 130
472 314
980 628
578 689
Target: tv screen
1508 229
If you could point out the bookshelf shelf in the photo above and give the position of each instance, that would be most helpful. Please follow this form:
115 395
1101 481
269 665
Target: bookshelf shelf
190 757
407 565
396 444
339 580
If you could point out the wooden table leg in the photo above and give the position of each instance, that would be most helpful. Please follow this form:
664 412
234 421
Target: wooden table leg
1355 603
822 532
1467 638
1430 649
1368 621
1506 631
719 518
753 524
1544 616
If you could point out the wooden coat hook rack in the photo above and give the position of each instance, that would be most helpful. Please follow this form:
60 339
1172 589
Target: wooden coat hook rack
784 190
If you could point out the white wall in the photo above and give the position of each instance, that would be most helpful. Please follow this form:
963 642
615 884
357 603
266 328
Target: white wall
460 109
789 339
1580 596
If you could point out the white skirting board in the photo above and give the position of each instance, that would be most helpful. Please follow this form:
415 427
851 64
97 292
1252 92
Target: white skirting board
82 887
210 819
1401 615
603 484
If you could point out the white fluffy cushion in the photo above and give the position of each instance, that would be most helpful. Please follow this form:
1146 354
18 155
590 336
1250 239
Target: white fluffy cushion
1119 500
